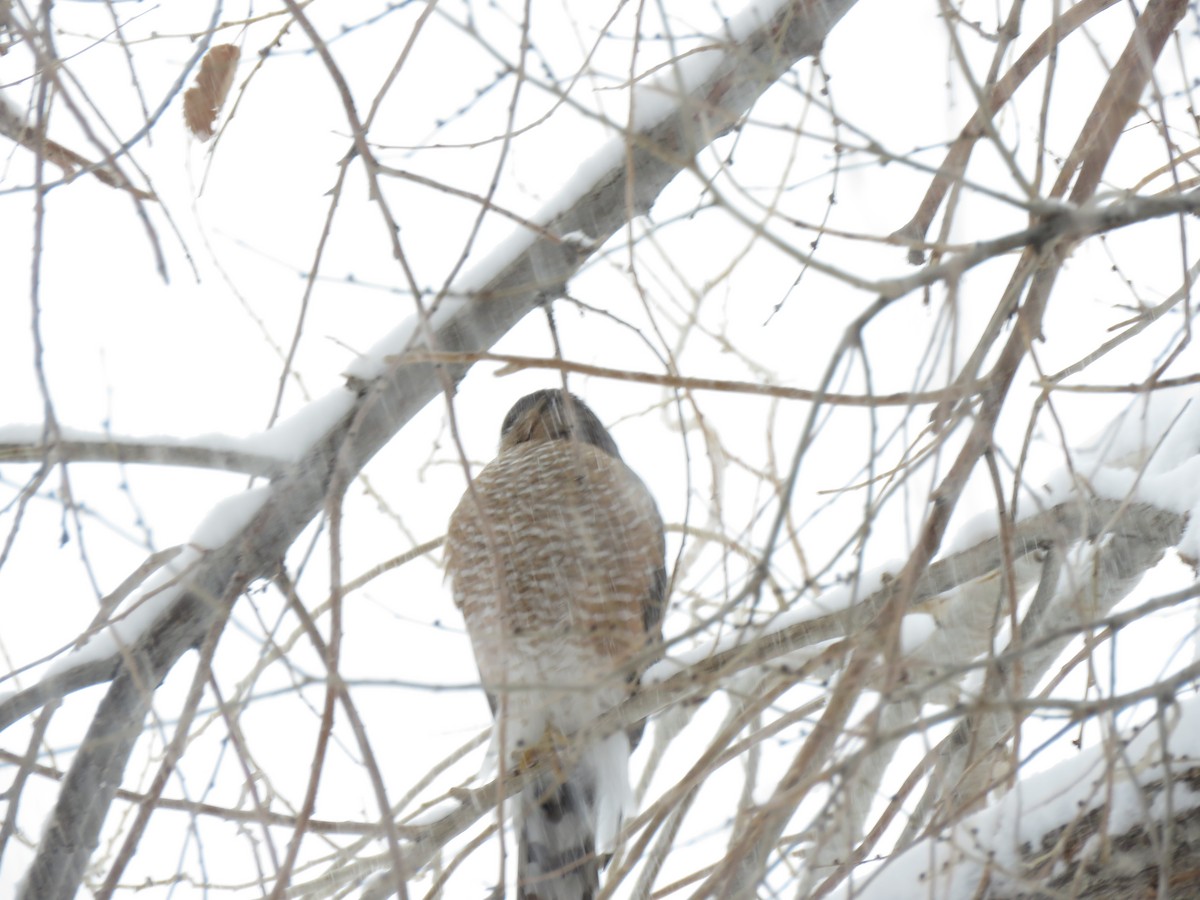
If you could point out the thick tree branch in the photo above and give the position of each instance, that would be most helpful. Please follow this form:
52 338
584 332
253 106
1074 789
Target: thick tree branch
1135 534
379 409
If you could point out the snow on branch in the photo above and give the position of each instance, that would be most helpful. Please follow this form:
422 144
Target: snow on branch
386 393
265 453
952 593
1045 830
960 592
24 444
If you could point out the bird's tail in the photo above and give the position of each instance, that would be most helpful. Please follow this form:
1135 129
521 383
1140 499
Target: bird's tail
568 825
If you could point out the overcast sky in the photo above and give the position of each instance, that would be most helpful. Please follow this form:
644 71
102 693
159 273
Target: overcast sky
173 318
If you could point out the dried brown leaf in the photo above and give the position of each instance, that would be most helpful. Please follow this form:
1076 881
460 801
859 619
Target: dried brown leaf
203 101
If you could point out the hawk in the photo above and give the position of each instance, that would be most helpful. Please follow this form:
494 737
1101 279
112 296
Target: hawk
556 559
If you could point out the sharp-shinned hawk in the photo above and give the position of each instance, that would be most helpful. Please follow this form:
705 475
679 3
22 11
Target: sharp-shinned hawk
556 558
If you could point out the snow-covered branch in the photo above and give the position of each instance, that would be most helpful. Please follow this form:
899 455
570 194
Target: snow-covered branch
961 594
24 444
620 181
1117 820
901 576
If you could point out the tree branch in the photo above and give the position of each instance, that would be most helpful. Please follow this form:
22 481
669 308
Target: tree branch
639 166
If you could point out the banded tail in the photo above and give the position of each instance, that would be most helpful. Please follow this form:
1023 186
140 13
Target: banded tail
567 828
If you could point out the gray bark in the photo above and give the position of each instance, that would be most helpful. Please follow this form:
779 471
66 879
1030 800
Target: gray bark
379 411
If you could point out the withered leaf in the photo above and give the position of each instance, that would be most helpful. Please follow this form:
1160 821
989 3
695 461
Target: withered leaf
203 101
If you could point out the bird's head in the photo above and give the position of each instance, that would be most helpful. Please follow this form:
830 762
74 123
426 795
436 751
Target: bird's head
554 415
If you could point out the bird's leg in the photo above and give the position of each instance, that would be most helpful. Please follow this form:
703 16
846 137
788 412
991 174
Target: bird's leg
552 747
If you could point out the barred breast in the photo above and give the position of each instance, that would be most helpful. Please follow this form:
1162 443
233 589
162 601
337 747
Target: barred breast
553 555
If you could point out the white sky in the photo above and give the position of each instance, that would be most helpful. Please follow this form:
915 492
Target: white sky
198 353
